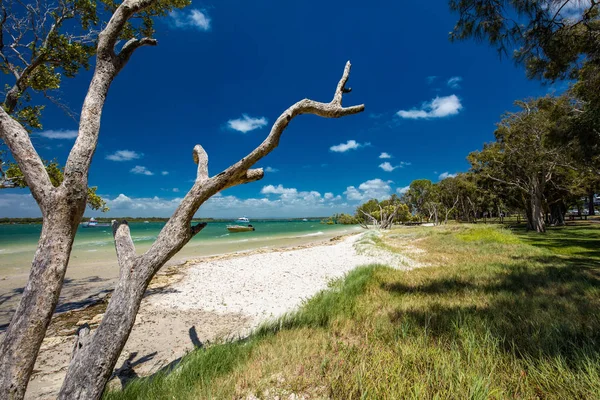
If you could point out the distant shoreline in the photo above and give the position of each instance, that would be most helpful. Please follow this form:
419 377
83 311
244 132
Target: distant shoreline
10 221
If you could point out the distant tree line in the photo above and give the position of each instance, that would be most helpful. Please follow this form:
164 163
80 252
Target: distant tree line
544 161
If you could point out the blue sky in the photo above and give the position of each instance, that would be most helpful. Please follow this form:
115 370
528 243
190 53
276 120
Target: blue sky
224 71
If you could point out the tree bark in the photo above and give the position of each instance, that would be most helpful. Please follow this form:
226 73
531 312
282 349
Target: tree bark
537 210
62 207
27 328
93 363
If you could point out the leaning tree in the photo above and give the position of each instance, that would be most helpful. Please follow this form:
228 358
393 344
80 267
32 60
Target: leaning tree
62 205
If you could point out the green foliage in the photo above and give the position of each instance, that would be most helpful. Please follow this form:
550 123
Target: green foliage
345 219
62 40
55 172
551 44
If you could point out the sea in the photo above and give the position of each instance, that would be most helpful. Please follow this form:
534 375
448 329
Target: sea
95 245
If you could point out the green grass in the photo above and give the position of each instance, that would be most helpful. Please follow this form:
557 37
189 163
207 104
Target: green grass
496 314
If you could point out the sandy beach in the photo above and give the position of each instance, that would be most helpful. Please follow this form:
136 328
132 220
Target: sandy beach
212 299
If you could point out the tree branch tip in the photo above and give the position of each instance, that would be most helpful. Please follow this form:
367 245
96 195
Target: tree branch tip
198 227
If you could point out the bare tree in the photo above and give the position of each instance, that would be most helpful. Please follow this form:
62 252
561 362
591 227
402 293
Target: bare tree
386 219
62 209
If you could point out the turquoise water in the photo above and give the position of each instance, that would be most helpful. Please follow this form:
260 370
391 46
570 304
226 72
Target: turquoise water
18 242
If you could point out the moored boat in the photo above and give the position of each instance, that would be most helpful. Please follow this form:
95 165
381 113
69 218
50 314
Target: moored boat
240 228
92 223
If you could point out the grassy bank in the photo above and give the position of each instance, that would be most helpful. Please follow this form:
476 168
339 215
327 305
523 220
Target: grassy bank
496 314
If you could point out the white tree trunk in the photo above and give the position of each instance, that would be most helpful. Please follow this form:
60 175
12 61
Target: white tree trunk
93 362
62 207
27 329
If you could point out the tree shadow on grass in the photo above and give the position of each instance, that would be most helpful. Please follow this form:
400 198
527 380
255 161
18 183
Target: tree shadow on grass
578 241
533 312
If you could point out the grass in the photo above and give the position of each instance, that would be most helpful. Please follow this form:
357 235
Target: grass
497 314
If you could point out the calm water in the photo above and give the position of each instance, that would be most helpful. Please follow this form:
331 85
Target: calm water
92 245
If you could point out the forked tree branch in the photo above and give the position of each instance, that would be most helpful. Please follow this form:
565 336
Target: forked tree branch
19 143
176 232
93 364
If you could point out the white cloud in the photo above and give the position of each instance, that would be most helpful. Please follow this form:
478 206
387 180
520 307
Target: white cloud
454 82
437 108
124 155
349 145
371 189
328 196
279 189
139 170
385 155
247 123
271 169
59 134
445 175
402 190
175 190
194 19
387 167
164 173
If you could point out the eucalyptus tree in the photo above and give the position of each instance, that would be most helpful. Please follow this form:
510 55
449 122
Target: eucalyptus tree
523 155
129 27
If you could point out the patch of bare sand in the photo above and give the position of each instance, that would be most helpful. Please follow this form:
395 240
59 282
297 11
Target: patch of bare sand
202 301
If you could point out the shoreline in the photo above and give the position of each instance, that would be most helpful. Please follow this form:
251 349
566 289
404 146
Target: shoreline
90 282
207 300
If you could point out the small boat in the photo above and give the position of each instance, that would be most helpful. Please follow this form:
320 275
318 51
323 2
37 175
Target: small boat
92 223
304 220
240 228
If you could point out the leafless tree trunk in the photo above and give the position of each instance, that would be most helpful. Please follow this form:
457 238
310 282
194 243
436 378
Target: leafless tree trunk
62 207
94 362
448 211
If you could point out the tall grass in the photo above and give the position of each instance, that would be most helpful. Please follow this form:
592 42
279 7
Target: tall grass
498 314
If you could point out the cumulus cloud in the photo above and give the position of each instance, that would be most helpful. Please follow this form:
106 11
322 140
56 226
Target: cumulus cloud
246 123
59 134
140 170
349 145
385 155
445 175
402 190
439 107
164 173
371 189
124 155
279 189
289 202
271 169
194 19
454 82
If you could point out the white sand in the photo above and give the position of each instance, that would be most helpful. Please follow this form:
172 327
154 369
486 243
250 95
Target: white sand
219 298
265 286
